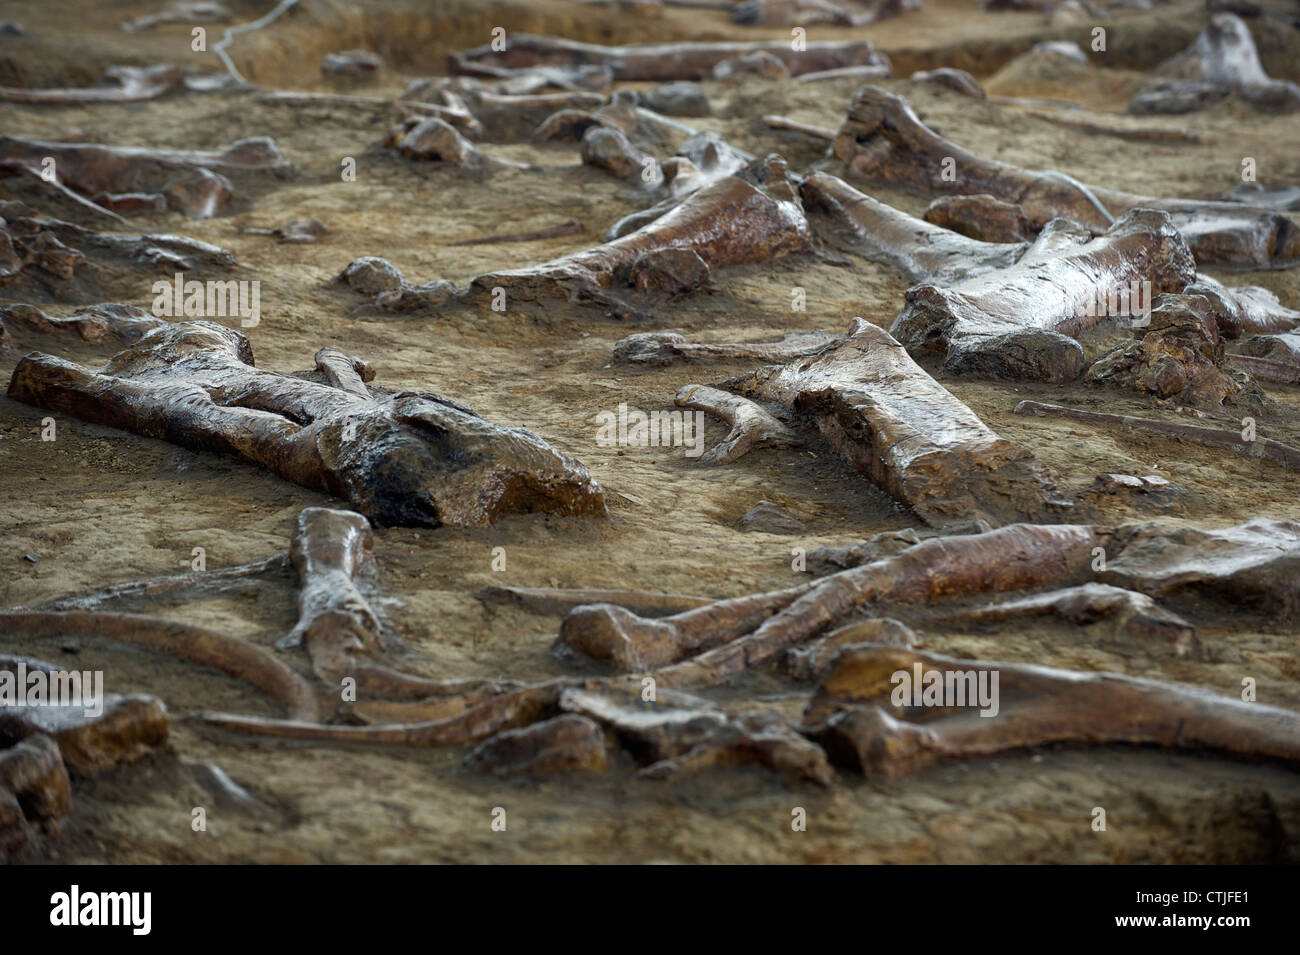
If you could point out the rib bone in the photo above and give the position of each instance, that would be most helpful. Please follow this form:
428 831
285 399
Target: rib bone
752 427
854 717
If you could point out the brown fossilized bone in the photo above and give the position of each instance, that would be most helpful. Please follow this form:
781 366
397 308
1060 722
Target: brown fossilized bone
753 216
1269 357
1135 616
1221 62
752 426
405 458
663 348
980 217
865 721
1267 448
907 433
127 84
199 184
34 791
1178 354
884 142
921 251
95 324
73 263
656 62
1022 321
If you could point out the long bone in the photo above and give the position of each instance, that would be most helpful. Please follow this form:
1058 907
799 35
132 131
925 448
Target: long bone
883 142
405 458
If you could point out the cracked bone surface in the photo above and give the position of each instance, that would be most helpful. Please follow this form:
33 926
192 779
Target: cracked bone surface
1022 321
127 84
94 324
855 715
74 264
752 216
883 142
1253 565
658 62
1221 62
34 790
1134 615
407 458
663 348
920 250
907 433
198 183
752 426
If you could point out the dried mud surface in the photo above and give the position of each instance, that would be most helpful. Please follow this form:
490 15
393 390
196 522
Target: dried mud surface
99 505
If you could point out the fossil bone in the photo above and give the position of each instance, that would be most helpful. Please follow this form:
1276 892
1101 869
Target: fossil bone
752 427
404 458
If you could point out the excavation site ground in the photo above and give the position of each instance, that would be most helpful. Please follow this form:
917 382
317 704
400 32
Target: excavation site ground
377 500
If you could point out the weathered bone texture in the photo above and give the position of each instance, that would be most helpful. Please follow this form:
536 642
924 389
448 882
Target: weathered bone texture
1244 308
1273 358
670 741
1018 557
507 119
1253 565
907 433
231 655
1022 321
753 216
198 583
432 138
922 252
34 790
407 458
1131 614
297 232
39 253
1266 448
1221 62
853 716
785 13
811 661
130 729
1282 198
664 348
568 743
656 62
199 184
957 80
884 142
110 322
617 636
1178 355
980 217
331 549
752 426
126 84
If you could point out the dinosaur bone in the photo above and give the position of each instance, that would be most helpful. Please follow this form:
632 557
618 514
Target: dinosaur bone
1222 61
752 427
855 717
1022 321
907 433
1133 614
1179 354
210 648
657 62
182 11
663 348
94 324
404 458
883 142
129 84
1266 448
753 216
34 790
921 251
198 183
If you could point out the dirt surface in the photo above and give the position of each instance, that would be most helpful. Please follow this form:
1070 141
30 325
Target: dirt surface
98 505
